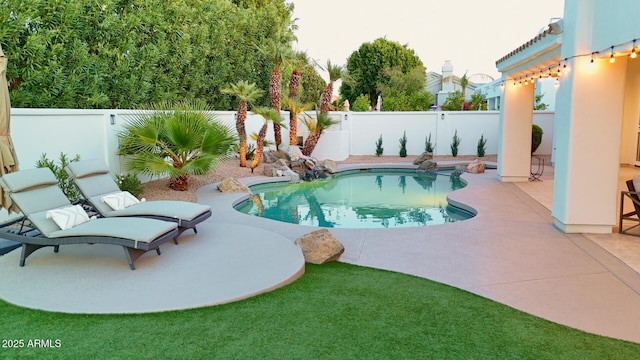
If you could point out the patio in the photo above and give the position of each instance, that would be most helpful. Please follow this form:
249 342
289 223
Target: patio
510 252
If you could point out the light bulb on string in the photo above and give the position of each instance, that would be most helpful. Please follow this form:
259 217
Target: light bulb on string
592 58
612 59
633 50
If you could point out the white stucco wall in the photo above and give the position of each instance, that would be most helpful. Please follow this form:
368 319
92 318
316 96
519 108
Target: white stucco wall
91 134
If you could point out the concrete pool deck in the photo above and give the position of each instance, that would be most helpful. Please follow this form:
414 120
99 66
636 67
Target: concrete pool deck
510 252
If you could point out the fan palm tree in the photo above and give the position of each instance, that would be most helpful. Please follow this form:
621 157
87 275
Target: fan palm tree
280 53
335 73
316 127
180 140
269 114
295 109
247 93
464 82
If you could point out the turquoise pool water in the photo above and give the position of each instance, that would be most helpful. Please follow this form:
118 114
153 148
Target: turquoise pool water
360 199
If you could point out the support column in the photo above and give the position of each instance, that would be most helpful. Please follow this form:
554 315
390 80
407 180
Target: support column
516 118
588 126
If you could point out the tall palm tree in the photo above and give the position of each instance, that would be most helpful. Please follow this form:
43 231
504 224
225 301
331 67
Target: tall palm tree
247 93
316 128
269 114
295 109
280 53
180 140
464 82
335 73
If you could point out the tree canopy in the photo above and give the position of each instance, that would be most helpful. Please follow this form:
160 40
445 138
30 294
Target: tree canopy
126 53
367 68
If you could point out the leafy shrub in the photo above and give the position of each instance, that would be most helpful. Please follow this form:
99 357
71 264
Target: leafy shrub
536 137
64 182
379 148
482 146
403 145
455 144
131 183
361 103
428 145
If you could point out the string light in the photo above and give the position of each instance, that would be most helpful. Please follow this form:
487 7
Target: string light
564 67
611 58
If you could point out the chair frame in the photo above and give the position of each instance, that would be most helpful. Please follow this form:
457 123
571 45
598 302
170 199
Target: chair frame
634 215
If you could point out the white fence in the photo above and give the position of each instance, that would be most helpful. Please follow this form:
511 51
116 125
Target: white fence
93 133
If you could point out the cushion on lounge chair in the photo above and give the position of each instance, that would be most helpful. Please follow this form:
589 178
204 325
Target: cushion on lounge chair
93 180
34 190
120 200
178 210
68 216
137 229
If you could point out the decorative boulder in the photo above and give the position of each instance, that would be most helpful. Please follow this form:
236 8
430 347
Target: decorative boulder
269 157
231 185
459 170
270 170
310 164
428 165
422 158
476 167
281 163
295 178
330 166
320 246
294 153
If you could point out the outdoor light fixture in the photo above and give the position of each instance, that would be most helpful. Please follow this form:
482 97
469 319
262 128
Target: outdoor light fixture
442 116
611 58
633 50
112 119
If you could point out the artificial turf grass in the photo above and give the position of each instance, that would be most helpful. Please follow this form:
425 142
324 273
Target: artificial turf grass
335 311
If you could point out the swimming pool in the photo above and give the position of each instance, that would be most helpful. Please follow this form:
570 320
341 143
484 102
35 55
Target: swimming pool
376 198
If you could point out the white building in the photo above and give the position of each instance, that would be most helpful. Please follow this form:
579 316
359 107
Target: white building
544 87
441 85
597 110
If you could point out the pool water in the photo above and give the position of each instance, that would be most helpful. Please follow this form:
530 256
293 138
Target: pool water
360 199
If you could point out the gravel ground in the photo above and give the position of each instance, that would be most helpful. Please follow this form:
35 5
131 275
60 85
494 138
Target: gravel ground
159 189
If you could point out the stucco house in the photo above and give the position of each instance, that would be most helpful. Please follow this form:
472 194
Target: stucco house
591 52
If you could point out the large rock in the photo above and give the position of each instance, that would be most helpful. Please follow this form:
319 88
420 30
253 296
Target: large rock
428 165
269 157
294 153
331 166
295 178
281 163
270 170
320 247
231 185
422 158
476 167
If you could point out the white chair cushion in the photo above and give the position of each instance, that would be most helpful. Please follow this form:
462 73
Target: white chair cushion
120 200
68 216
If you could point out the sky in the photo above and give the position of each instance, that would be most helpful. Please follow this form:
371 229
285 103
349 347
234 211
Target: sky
472 34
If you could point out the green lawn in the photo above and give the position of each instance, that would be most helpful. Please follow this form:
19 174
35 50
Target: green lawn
335 311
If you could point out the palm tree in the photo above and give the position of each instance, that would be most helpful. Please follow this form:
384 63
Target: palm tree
280 53
335 73
316 127
180 140
269 114
247 93
295 109
464 82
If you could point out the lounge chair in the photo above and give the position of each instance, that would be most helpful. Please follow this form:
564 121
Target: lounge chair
92 178
36 194
634 215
